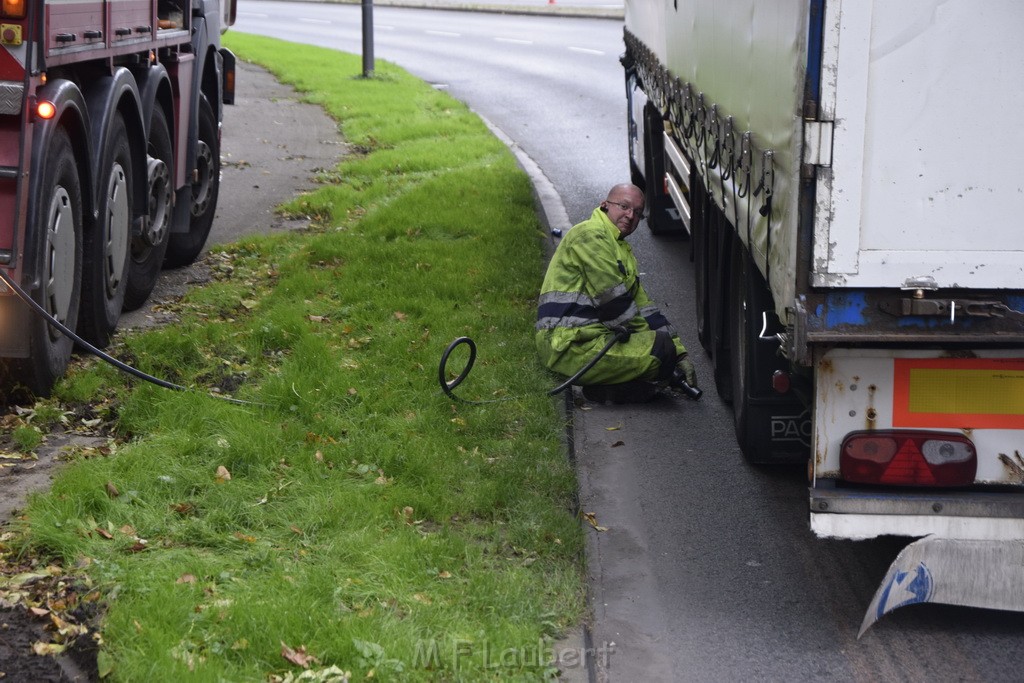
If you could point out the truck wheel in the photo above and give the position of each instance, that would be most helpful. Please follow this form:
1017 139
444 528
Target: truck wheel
721 282
59 221
105 247
699 251
740 350
185 247
662 217
149 246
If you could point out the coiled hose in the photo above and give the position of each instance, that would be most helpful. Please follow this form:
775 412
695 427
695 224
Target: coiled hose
447 387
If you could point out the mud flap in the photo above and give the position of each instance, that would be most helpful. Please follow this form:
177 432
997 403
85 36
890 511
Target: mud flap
987 574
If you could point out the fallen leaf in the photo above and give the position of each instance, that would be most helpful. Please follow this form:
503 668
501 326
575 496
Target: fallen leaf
618 443
127 530
420 597
400 316
223 474
317 318
104 533
186 578
592 518
39 611
352 391
444 575
298 657
319 456
46 649
615 428
112 490
138 547
244 537
407 513
183 508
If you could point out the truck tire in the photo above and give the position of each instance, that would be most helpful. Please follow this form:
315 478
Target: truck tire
184 248
740 351
58 220
149 246
699 254
662 217
105 246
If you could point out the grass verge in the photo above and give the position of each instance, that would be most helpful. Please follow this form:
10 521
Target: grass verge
355 518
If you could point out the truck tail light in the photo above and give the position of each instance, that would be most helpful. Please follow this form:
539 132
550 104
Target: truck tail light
908 458
13 9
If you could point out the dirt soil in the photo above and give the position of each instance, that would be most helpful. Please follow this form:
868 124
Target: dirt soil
271 148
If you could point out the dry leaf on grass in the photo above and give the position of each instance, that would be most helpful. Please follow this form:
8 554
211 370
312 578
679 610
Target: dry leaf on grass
298 657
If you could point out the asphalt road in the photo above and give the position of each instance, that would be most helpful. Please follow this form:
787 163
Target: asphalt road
707 570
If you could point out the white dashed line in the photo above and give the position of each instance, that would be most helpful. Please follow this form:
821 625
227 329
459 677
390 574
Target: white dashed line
447 34
314 21
516 41
586 50
253 15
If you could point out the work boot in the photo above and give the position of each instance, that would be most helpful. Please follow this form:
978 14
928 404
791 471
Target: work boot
627 392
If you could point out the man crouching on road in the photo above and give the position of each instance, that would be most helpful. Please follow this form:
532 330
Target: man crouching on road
591 293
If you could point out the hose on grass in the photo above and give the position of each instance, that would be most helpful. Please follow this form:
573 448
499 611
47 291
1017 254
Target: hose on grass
447 387
123 367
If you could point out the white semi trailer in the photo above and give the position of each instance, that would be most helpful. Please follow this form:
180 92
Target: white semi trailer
850 175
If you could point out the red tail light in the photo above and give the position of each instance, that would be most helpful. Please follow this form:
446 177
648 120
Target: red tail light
908 458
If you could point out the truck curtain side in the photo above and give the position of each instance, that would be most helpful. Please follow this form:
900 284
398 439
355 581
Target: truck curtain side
110 118
847 174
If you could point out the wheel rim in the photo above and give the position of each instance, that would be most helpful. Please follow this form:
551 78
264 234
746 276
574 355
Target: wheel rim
118 228
203 179
159 181
60 257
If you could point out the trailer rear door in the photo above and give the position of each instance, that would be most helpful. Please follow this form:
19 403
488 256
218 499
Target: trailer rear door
925 185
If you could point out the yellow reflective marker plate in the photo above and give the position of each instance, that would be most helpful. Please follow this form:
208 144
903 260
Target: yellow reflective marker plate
967 393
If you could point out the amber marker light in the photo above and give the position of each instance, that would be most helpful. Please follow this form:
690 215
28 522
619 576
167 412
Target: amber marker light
45 109
14 9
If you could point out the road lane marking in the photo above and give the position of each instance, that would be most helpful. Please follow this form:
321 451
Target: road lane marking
447 34
517 41
585 50
314 21
253 15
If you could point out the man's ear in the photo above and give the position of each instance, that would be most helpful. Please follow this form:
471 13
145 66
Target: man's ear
604 207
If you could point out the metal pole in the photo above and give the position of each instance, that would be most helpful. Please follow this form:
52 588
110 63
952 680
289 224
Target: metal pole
367 38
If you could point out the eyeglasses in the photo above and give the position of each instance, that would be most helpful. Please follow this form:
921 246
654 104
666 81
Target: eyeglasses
627 208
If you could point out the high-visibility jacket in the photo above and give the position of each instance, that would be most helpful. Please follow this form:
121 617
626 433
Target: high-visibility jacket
592 287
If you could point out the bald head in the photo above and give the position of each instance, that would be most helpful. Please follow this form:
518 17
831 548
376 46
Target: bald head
625 207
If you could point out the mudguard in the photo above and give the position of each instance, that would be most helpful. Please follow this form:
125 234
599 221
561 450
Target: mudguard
72 112
117 92
971 573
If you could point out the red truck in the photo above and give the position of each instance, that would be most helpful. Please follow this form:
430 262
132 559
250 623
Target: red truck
110 115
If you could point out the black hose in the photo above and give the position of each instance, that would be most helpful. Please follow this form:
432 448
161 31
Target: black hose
446 386
123 367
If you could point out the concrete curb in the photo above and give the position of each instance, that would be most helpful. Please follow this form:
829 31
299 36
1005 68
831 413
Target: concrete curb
551 9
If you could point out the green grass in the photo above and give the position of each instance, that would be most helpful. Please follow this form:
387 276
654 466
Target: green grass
367 518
